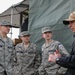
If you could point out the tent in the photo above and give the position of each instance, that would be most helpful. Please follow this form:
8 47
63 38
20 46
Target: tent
51 13
16 13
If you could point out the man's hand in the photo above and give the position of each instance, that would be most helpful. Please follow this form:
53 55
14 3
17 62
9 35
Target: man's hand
52 57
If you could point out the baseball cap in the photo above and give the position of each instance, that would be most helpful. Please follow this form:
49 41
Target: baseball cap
24 33
46 29
71 18
5 23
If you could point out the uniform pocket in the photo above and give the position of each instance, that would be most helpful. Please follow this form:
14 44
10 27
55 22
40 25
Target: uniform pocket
10 48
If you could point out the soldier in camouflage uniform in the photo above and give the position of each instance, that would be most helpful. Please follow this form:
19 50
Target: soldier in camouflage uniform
6 50
27 56
49 47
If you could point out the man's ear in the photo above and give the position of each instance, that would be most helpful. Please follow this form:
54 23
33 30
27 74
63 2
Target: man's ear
20 37
0 25
42 36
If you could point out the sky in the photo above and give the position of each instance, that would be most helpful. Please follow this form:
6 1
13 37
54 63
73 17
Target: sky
4 5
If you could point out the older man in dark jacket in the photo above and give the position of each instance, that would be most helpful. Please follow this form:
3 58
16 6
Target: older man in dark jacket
66 61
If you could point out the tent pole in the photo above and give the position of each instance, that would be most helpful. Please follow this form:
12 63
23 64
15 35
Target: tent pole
11 20
21 22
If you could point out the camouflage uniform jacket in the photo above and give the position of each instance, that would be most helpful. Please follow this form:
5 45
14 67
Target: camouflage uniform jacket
6 54
28 60
49 67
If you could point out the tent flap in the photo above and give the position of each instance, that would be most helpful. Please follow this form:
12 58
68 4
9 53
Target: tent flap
51 13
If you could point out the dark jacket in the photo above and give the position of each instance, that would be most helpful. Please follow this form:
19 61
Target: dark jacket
69 61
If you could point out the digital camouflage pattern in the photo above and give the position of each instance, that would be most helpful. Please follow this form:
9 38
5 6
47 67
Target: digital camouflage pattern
50 68
28 60
6 56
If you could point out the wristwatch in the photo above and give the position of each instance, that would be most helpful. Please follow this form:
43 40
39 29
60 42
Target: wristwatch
57 60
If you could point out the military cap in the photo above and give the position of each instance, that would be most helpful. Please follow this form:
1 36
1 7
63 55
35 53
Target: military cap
71 18
46 29
24 33
5 23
